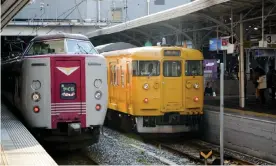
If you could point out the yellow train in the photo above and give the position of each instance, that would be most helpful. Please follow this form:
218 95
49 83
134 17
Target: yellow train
155 89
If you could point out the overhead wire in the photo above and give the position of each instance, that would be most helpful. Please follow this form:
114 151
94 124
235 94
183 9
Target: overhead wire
79 11
71 10
68 14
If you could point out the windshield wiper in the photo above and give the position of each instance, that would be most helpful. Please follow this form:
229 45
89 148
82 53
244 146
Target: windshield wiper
150 74
82 48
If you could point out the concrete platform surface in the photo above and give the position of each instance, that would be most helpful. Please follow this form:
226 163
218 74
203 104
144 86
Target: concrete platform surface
18 146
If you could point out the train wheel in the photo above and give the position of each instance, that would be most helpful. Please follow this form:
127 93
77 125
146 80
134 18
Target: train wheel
115 121
126 124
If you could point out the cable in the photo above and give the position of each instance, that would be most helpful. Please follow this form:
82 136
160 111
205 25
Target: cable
72 8
63 18
68 14
79 11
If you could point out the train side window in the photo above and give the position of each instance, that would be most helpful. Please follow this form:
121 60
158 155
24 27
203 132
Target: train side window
114 75
118 76
122 76
135 68
111 74
128 73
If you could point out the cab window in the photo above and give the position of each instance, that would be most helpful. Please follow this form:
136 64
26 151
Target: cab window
194 68
46 47
145 68
80 47
172 68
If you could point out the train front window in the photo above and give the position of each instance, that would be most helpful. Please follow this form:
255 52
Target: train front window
194 68
80 47
47 47
145 68
172 68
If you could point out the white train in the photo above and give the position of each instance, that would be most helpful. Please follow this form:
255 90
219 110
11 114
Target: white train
59 84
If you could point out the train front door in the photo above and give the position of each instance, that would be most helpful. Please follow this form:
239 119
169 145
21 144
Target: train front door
68 89
172 86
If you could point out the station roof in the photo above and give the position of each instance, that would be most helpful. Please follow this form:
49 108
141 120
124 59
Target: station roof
199 15
169 14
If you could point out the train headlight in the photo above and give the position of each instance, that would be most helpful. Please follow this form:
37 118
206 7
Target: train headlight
36 84
98 95
98 83
146 86
196 85
36 96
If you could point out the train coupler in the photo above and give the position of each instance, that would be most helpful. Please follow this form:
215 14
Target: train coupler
74 129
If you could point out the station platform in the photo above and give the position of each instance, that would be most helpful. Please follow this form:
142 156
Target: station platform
18 146
251 105
251 130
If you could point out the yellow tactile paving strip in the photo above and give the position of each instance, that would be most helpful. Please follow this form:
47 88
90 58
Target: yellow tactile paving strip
243 112
3 157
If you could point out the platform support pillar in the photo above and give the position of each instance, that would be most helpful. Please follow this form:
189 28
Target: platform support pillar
275 60
247 56
241 64
148 7
221 113
224 60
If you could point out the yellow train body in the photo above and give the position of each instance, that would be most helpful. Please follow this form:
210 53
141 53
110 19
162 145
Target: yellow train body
154 82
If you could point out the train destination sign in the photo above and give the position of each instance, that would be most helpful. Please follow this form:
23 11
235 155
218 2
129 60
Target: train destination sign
172 53
67 91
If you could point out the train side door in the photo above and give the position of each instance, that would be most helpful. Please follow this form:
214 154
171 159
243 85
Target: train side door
128 85
112 66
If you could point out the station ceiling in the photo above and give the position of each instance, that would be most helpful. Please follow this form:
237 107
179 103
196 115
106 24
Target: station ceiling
9 8
198 24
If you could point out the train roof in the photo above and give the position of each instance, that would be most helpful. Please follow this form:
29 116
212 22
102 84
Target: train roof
145 52
60 36
114 46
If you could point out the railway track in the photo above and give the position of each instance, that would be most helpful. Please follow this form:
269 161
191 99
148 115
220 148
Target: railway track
73 158
192 148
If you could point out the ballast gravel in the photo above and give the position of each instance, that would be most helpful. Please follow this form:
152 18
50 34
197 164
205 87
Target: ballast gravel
115 148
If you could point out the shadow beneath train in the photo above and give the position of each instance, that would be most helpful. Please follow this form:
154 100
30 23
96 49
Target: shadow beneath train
171 137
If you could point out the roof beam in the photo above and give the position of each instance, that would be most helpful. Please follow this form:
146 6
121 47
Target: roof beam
10 9
215 21
273 1
130 38
142 32
176 30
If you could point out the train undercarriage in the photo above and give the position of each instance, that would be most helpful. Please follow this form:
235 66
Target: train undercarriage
169 123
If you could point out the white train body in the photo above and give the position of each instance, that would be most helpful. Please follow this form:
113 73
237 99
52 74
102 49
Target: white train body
62 96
